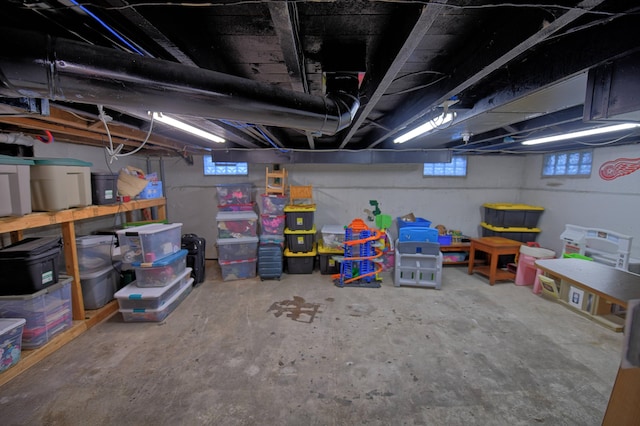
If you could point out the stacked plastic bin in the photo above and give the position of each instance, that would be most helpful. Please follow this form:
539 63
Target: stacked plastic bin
162 278
513 221
300 234
331 246
99 270
272 221
237 224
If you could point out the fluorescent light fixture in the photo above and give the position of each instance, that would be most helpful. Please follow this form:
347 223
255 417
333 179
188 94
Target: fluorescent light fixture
429 125
186 127
582 133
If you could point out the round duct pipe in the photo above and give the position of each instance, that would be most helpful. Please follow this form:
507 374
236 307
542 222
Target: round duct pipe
42 66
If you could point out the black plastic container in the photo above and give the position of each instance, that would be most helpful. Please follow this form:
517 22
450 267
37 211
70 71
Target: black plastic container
30 265
104 188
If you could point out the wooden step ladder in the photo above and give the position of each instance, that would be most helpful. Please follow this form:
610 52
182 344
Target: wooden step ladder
275 182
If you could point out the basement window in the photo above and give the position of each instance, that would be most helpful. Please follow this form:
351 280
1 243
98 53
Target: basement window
575 163
212 168
457 167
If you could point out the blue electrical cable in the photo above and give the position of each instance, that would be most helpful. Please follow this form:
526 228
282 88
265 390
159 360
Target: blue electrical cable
107 27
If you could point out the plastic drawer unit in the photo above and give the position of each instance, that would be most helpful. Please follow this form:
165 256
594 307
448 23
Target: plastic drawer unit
148 243
60 183
47 312
15 190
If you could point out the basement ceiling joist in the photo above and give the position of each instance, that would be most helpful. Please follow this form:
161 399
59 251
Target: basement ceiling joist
484 61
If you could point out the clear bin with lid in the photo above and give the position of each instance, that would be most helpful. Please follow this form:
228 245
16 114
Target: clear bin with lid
148 243
161 272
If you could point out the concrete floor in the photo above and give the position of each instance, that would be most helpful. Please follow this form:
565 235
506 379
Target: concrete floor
301 351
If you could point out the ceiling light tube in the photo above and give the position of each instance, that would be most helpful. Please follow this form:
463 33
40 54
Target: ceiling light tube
581 133
429 125
186 127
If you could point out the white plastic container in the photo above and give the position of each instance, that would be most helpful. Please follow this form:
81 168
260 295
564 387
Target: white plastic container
149 243
15 192
60 183
135 297
95 252
333 236
159 314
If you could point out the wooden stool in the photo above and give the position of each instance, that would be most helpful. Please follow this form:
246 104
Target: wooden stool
275 182
494 247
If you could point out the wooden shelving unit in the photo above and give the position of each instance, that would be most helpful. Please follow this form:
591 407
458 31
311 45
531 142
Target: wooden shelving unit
82 319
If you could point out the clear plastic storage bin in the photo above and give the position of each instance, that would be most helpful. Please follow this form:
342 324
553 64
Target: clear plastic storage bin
148 243
238 269
10 341
99 286
47 312
233 193
161 313
237 248
237 224
161 272
135 297
95 252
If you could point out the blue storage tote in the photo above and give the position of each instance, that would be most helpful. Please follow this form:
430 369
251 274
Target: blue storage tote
418 234
152 190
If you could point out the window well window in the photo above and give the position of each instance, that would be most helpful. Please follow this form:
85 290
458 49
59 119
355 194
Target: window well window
212 168
457 167
576 163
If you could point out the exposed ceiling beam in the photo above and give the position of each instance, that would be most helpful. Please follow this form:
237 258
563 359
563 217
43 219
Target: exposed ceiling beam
476 68
285 21
397 50
140 22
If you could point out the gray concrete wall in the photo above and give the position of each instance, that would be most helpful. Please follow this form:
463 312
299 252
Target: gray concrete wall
343 192
591 202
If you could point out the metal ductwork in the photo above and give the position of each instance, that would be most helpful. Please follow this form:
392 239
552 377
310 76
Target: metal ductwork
41 66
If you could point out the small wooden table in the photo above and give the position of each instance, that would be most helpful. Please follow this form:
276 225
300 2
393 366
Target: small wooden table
494 247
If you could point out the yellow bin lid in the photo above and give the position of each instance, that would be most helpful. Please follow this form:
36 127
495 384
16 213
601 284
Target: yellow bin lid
324 250
299 208
295 232
511 206
289 253
508 229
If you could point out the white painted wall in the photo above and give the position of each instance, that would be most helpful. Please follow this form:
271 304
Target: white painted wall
592 202
342 192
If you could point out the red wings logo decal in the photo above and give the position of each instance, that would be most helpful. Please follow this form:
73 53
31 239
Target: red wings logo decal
621 167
